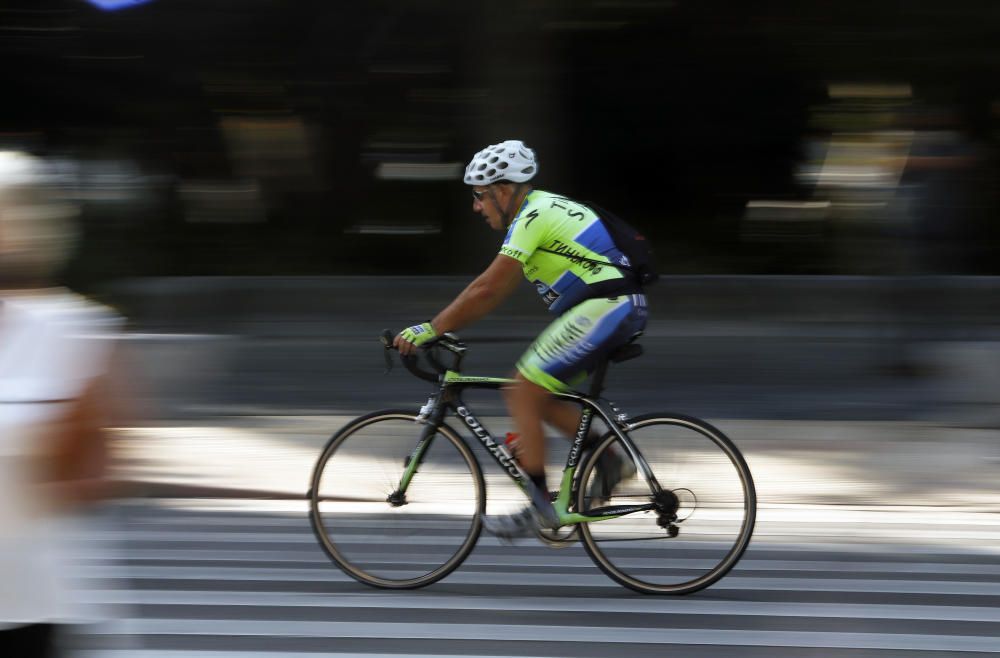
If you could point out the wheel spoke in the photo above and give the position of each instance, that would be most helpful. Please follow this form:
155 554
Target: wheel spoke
362 531
705 513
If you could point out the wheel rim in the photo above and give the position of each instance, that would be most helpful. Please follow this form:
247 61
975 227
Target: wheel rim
380 537
708 501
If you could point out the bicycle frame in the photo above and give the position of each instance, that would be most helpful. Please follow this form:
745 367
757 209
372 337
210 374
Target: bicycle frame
448 399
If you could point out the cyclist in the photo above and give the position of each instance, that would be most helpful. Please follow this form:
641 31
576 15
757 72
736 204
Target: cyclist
562 247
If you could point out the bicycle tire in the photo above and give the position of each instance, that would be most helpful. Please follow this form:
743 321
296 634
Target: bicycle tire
716 505
403 546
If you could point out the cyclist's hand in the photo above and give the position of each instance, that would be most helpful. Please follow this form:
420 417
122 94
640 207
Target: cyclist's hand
411 338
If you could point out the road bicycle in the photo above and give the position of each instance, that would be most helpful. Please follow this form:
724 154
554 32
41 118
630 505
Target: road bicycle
397 496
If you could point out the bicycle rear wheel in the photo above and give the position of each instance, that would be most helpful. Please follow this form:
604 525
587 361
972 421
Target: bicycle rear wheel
380 535
706 485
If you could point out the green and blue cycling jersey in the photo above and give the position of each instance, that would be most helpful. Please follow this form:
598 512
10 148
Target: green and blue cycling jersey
557 240
567 253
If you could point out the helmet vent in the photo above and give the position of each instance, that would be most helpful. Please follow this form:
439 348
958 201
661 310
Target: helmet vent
509 161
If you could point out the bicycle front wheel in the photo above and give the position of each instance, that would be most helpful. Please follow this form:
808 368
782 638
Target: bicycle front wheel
384 534
705 510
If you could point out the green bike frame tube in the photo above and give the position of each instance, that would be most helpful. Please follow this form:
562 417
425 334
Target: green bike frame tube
452 384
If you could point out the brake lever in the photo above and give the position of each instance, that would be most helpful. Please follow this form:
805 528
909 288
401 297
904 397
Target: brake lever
386 339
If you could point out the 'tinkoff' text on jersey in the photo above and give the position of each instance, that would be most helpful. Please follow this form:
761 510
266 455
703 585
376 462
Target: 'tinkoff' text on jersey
557 224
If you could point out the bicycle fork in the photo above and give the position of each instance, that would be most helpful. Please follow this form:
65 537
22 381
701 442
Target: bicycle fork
431 415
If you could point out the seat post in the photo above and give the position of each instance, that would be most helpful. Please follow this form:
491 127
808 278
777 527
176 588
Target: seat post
629 350
597 379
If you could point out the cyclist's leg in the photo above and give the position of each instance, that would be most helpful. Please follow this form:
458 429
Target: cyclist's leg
530 401
558 359
527 403
564 416
612 322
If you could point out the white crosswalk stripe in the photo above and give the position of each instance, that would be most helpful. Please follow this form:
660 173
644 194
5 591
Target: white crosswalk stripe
230 583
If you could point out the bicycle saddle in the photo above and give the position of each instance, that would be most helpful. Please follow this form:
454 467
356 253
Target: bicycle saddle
625 352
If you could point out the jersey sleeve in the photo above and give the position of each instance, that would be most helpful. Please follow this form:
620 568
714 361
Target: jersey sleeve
525 234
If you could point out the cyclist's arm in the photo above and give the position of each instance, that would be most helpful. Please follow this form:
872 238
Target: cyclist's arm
481 296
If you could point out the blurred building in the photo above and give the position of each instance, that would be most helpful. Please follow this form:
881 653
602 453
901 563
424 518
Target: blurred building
312 137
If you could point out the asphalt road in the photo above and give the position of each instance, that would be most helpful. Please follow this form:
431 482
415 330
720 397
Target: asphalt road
873 539
245 580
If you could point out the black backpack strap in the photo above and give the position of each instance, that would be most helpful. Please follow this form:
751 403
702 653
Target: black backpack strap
606 263
614 288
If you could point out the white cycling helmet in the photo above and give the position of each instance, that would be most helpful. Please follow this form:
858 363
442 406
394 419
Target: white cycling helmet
508 161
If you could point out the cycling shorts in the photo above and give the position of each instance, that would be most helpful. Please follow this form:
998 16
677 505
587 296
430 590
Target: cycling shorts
571 347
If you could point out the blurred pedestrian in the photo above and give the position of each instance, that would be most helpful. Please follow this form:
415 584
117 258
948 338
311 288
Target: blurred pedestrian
55 401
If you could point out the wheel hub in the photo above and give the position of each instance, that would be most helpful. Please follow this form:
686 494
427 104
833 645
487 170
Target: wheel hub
667 504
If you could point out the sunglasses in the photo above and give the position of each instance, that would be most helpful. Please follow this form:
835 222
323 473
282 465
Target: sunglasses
479 194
